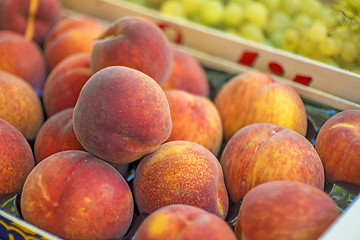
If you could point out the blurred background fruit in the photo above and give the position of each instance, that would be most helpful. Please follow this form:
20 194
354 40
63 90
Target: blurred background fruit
326 31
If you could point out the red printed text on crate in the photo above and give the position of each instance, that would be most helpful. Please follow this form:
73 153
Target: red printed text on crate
248 58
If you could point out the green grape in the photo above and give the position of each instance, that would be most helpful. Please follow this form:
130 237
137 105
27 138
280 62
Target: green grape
349 51
354 3
355 37
355 69
329 46
318 56
173 8
278 21
291 39
317 32
233 14
306 48
138 2
256 13
271 5
154 3
329 17
192 7
276 39
267 42
311 7
212 13
252 32
290 6
301 22
242 2
231 31
330 61
340 32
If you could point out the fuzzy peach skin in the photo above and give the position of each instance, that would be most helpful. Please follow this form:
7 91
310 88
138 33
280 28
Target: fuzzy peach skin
137 43
263 152
56 135
253 97
338 144
121 115
180 172
187 74
62 86
30 18
75 195
16 159
179 221
22 57
285 210
70 36
194 118
21 106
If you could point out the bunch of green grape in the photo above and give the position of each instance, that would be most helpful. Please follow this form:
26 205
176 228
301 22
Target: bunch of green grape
328 33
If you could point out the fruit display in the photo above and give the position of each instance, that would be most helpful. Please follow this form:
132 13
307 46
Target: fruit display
121 115
32 19
186 221
121 44
255 152
21 105
23 58
55 135
343 127
157 182
17 165
78 196
63 85
131 137
199 115
194 81
70 36
306 212
326 31
255 97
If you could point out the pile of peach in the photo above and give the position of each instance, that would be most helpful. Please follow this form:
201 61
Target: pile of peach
82 101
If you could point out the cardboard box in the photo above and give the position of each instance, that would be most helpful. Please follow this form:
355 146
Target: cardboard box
14 228
323 77
346 225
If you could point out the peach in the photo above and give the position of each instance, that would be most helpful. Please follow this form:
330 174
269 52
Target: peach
62 86
194 118
16 159
22 57
262 152
179 221
75 195
56 135
187 74
21 106
180 172
121 115
70 36
31 18
137 43
337 144
285 210
254 97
